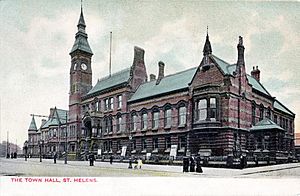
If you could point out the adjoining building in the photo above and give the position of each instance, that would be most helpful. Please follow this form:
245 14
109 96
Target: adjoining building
215 109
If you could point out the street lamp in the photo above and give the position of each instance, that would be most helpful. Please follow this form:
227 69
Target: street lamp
26 148
41 143
66 144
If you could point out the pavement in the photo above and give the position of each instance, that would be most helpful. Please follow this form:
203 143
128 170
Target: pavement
82 168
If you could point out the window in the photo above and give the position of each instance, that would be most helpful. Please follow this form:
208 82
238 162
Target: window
119 123
119 147
155 119
134 122
110 124
155 143
111 103
54 133
268 114
144 144
106 125
144 121
97 106
167 142
182 142
266 142
106 106
261 113
253 113
168 117
133 145
275 118
182 115
202 109
213 109
110 146
105 146
119 97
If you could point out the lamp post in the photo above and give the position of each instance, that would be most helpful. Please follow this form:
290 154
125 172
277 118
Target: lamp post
66 144
41 143
26 148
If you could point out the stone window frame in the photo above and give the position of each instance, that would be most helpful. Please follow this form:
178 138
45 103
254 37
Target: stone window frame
133 121
119 101
119 124
155 121
182 142
167 107
182 104
143 121
208 108
155 143
261 112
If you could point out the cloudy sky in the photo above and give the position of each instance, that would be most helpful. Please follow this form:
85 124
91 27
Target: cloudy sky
36 37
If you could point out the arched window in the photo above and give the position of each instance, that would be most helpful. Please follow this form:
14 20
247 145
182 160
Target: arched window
168 117
144 120
119 123
182 115
155 119
133 121
261 112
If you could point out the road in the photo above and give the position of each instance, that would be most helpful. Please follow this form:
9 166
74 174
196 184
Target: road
32 167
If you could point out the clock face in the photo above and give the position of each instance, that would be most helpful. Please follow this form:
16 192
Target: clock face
83 66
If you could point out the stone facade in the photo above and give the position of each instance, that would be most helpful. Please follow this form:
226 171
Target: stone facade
215 109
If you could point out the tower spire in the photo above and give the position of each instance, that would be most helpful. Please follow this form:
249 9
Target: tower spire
81 42
207 47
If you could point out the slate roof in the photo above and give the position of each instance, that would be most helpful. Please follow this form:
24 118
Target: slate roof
281 107
266 124
230 68
111 81
58 117
32 125
81 42
168 84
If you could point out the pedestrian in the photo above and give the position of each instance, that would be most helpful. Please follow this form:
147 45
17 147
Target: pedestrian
111 159
91 158
140 163
55 157
130 164
192 164
198 164
242 162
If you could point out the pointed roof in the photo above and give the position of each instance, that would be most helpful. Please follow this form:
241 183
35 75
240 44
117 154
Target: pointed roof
166 85
108 82
32 126
207 47
266 124
81 21
58 117
81 43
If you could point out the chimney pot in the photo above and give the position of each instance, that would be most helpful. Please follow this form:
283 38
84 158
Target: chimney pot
152 77
255 73
161 71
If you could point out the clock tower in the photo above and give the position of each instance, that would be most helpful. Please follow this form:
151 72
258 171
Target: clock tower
80 71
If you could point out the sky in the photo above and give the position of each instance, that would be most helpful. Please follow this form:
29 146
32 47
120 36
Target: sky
36 37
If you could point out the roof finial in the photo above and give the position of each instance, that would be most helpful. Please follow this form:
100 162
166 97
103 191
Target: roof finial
81 5
207 30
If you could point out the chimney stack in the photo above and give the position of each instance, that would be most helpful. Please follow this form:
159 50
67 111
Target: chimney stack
161 71
152 77
138 55
255 73
241 49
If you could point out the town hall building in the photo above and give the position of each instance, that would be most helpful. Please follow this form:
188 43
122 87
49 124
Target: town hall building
215 109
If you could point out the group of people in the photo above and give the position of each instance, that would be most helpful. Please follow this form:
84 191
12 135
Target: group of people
189 164
12 155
